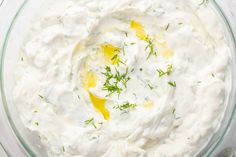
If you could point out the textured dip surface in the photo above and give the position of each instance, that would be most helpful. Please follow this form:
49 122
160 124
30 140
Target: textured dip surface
123 78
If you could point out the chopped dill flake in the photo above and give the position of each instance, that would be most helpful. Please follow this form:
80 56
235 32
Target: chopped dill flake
116 59
125 106
167 27
169 69
90 122
94 49
119 79
41 96
63 148
212 74
150 48
180 23
167 72
173 111
141 69
126 44
78 96
132 43
199 81
160 72
173 84
123 50
35 111
36 123
22 58
151 87
126 33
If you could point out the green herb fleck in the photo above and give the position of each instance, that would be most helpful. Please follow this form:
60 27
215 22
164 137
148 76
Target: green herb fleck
123 50
169 69
41 96
212 74
90 122
167 27
167 72
116 59
132 43
63 148
22 59
180 23
36 123
151 87
173 84
94 49
150 48
141 69
173 111
126 33
125 106
126 44
160 72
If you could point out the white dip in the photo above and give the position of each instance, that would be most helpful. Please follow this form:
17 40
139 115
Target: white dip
123 78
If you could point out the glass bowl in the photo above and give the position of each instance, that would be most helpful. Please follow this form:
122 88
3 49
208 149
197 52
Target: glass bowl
22 142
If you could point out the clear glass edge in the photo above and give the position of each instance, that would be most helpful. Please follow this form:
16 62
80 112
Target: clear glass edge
16 134
27 148
232 36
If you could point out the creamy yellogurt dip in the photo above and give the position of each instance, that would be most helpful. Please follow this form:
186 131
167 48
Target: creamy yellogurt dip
123 78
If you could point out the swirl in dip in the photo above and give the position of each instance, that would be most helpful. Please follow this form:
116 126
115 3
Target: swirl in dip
123 78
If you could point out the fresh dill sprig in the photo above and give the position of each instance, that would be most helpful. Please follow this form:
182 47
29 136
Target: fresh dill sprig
167 72
172 83
122 77
90 122
150 48
125 106
114 81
